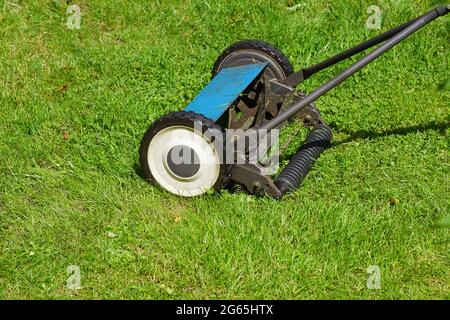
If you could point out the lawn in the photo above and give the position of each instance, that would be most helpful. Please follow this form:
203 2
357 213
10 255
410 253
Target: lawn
74 104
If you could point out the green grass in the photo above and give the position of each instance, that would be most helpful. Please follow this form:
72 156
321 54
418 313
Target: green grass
74 105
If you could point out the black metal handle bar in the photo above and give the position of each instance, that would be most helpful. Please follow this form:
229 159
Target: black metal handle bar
297 77
400 33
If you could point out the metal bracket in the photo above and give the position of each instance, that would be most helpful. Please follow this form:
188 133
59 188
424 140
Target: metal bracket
310 115
254 180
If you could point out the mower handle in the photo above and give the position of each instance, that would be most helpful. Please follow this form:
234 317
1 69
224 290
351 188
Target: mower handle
443 10
388 44
299 76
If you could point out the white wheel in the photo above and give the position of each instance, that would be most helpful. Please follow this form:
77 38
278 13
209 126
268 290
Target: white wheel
183 162
180 159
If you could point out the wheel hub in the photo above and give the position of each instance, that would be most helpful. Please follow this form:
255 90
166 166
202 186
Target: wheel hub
183 162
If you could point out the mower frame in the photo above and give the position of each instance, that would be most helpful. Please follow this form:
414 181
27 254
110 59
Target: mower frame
252 93
253 176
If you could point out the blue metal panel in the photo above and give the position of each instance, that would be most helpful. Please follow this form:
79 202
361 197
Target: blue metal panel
224 89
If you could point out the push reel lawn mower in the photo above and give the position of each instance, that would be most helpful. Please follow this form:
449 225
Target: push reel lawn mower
252 87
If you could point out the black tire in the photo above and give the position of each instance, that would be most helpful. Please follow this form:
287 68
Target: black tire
180 118
255 51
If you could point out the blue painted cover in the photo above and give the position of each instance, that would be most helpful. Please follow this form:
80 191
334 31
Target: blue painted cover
224 89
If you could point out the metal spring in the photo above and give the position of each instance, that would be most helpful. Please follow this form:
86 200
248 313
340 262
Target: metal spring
298 167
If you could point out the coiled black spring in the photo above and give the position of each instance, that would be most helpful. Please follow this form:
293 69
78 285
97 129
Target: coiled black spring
298 167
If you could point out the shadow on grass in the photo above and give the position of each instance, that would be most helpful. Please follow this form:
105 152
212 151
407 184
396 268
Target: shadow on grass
441 127
138 170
